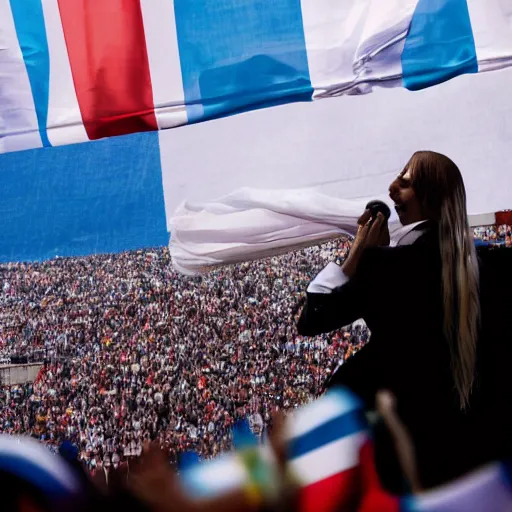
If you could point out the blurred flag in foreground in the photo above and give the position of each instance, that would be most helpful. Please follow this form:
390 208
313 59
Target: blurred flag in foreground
331 466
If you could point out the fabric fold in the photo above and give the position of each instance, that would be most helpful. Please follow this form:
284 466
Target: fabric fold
252 224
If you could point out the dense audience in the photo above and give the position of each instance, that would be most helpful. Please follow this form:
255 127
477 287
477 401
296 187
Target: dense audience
134 351
494 235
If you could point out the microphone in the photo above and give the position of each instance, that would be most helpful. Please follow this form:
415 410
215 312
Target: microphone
376 207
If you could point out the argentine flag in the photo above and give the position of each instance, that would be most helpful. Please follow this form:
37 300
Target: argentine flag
127 71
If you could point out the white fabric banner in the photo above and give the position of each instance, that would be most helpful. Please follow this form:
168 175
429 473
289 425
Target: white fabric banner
325 165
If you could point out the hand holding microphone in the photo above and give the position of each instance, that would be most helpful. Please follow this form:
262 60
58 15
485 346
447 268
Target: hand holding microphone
375 207
373 232
373 225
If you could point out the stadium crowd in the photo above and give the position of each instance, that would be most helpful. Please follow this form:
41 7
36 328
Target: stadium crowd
500 235
134 351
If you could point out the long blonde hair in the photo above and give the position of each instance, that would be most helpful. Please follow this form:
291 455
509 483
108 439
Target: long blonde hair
438 185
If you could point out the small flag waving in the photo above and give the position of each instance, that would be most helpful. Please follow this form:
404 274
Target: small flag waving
325 439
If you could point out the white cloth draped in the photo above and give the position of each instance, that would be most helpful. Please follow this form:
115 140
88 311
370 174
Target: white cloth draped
252 224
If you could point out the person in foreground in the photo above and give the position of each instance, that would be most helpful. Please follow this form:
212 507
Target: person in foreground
431 309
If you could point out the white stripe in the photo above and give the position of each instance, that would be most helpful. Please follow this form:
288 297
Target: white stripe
379 54
17 110
355 42
328 460
333 404
216 476
484 489
491 22
65 125
164 62
169 178
34 452
385 21
332 31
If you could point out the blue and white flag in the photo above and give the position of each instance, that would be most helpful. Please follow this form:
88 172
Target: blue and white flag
73 72
78 71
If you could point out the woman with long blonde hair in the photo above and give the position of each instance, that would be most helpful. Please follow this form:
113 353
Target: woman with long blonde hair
441 195
419 295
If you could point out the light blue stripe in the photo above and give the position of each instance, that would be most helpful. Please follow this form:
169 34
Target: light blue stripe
97 197
31 31
408 504
241 55
440 44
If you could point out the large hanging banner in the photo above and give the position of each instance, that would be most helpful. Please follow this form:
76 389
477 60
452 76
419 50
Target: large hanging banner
76 71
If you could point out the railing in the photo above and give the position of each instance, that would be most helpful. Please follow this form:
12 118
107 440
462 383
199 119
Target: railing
17 374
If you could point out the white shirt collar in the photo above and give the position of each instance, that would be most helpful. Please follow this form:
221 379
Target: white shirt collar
406 235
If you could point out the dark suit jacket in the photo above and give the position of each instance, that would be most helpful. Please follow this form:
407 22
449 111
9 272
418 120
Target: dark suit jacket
397 291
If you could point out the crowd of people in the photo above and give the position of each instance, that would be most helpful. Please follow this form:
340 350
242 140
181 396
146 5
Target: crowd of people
135 351
494 235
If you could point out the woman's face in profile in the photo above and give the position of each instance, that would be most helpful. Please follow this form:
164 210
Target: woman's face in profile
402 194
